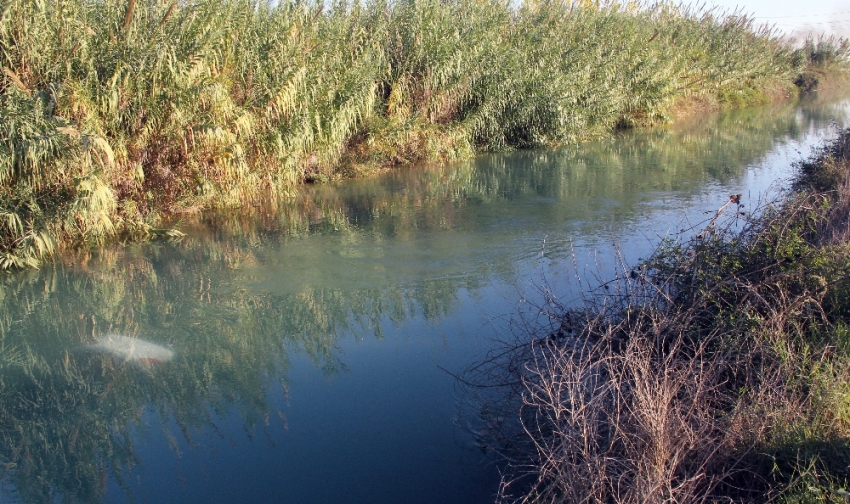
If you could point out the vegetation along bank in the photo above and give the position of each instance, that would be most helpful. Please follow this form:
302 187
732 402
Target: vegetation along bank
119 115
718 370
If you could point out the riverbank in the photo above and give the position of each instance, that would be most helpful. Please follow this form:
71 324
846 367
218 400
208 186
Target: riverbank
132 113
716 370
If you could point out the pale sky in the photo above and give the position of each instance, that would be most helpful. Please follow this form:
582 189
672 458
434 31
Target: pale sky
797 17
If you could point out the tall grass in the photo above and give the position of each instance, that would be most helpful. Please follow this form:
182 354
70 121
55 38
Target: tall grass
116 114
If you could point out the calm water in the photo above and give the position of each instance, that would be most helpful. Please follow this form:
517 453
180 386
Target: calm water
300 351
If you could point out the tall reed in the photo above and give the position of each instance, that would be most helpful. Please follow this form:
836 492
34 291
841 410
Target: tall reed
116 114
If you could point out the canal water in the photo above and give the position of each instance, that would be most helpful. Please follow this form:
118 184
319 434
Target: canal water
306 353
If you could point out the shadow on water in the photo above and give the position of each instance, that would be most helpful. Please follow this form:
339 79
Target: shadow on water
247 298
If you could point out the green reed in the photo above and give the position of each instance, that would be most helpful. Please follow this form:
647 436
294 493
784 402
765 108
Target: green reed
117 114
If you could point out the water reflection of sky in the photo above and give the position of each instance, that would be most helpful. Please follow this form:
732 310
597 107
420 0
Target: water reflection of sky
311 341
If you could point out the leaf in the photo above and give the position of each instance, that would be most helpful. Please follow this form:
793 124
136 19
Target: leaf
16 80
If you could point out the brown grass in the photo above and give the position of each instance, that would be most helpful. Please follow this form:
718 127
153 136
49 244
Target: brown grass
697 376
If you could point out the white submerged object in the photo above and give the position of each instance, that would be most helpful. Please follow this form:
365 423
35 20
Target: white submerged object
132 349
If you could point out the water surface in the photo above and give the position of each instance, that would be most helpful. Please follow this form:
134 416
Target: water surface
309 347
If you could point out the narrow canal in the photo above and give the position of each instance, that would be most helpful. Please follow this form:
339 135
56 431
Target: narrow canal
303 353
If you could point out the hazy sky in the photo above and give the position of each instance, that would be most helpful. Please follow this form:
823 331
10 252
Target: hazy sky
797 16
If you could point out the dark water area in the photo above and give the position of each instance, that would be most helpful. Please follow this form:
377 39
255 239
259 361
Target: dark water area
304 353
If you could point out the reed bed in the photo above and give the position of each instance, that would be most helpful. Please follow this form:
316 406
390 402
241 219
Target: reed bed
117 115
714 371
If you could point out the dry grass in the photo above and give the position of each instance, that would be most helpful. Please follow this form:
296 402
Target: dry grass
699 376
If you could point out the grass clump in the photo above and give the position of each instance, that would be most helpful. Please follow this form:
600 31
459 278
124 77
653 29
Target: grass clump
715 371
116 115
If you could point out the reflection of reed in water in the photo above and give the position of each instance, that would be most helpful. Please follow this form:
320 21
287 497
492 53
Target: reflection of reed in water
64 421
